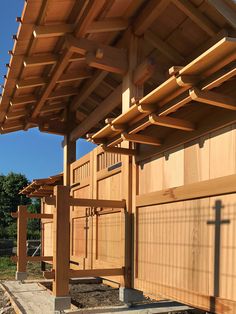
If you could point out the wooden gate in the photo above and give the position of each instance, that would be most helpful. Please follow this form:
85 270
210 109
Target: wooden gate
97 234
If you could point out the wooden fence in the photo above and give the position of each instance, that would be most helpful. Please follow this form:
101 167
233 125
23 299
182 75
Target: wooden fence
184 220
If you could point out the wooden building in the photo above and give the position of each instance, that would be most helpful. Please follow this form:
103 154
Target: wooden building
153 83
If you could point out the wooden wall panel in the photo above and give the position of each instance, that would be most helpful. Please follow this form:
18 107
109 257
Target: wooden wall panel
46 226
175 243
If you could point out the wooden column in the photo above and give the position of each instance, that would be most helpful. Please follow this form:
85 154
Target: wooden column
129 91
61 241
21 243
69 156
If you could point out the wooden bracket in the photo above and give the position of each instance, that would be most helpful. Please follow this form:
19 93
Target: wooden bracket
120 150
213 98
171 122
142 139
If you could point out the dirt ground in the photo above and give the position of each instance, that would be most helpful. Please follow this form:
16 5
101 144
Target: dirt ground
5 304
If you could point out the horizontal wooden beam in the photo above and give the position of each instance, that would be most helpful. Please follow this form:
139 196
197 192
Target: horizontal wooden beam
197 16
208 188
120 150
144 71
106 272
49 59
142 139
34 258
171 122
99 56
67 77
108 25
45 31
28 99
97 203
187 80
32 82
34 216
213 98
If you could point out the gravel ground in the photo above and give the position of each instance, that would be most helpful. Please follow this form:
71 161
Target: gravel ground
5 304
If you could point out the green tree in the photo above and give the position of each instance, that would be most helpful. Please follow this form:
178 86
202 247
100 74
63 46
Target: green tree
10 185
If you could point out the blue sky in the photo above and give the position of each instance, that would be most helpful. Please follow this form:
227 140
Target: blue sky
35 154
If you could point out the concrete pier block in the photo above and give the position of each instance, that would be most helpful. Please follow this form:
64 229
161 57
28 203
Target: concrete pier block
20 276
128 296
62 303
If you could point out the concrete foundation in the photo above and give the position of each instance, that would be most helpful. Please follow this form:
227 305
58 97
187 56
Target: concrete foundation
21 276
129 296
62 303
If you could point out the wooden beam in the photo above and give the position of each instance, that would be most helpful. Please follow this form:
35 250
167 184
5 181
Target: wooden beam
67 77
32 82
34 258
21 239
103 57
209 188
33 215
69 156
45 31
83 202
148 15
170 52
171 122
187 80
142 139
49 59
197 16
63 92
57 72
120 150
23 100
99 114
144 71
87 89
213 98
61 241
225 10
108 25
105 272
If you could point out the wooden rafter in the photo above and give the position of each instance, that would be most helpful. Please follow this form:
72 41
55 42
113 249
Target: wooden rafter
67 77
142 139
62 63
225 10
197 16
163 47
46 31
104 108
108 25
213 98
148 15
49 59
171 122
87 89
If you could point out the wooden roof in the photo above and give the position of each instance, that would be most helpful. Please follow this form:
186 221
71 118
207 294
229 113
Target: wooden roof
42 187
69 57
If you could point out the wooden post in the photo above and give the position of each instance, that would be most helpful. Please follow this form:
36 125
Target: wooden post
129 91
21 273
61 247
69 154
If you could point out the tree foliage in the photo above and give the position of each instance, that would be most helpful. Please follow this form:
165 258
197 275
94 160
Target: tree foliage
10 185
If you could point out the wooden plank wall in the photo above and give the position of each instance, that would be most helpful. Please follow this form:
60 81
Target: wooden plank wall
46 234
174 245
97 241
